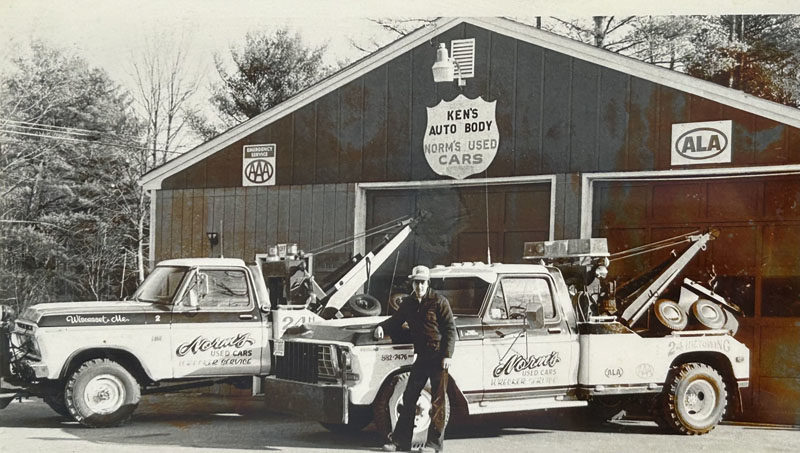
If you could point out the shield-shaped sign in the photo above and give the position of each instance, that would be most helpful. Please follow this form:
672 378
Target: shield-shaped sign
461 138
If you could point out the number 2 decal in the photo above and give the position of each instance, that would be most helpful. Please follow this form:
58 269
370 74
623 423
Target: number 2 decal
158 318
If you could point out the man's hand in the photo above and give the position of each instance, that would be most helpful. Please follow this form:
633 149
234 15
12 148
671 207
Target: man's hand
446 363
378 333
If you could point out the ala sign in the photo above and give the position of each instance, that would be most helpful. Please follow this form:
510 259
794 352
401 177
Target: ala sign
701 143
461 137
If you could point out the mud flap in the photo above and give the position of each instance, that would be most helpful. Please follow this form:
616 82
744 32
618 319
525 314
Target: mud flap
5 350
8 394
5 399
739 402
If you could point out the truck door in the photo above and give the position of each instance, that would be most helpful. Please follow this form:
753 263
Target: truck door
521 361
216 326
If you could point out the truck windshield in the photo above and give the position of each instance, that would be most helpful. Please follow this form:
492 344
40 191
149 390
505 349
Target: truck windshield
465 294
160 286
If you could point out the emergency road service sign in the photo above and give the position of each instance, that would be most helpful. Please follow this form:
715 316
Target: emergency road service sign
258 165
461 138
701 143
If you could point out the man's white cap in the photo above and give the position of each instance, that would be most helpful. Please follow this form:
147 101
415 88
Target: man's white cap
420 273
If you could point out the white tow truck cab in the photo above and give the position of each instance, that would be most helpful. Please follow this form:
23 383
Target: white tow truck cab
525 342
193 322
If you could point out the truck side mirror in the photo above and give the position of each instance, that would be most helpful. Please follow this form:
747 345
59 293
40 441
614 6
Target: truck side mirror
193 298
535 316
202 284
197 290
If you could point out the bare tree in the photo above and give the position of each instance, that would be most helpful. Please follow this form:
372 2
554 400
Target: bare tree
605 32
395 28
165 83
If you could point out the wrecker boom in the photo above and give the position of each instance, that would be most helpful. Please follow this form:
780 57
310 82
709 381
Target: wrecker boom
346 286
649 294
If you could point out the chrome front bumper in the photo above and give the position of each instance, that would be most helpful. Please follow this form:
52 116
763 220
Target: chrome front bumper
321 402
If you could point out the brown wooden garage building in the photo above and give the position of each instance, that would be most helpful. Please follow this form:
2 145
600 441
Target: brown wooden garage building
591 144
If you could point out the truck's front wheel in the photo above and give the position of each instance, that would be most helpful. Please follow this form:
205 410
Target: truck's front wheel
386 409
102 393
694 399
57 403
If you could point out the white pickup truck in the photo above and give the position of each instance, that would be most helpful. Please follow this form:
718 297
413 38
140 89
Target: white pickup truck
523 344
193 322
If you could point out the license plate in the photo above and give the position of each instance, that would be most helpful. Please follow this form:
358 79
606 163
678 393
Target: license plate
279 346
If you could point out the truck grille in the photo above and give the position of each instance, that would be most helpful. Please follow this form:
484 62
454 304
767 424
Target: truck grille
328 363
299 362
307 362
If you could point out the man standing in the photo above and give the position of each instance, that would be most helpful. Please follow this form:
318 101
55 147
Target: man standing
433 332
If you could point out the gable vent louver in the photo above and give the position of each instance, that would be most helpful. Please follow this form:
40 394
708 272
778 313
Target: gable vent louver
463 52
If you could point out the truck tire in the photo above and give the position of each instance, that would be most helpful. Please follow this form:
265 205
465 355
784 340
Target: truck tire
389 398
694 399
57 403
362 305
708 314
670 314
102 393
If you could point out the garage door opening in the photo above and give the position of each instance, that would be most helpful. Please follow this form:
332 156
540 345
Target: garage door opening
456 227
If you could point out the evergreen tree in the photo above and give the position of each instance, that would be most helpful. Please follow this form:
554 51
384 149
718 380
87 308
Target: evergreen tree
269 69
69 138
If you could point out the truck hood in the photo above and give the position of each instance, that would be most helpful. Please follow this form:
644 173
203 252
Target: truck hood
356 331
92 313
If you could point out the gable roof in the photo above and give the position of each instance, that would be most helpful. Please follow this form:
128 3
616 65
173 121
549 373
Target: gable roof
659 75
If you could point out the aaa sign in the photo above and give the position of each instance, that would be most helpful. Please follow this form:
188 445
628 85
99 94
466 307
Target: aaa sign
461 138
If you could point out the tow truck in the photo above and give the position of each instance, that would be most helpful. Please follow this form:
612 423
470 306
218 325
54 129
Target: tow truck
193 322
541 335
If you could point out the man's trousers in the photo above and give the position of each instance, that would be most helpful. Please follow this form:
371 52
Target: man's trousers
424 368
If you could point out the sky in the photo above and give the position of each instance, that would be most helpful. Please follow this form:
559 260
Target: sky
107 33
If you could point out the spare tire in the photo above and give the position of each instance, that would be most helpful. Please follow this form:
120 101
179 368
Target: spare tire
670 314
362 305
709 314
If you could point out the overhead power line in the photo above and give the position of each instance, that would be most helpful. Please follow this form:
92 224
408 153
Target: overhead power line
91 142
76 135
63 129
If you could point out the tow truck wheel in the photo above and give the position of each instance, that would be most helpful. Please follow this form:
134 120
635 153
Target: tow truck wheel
102 393
387 403
694 400
57 403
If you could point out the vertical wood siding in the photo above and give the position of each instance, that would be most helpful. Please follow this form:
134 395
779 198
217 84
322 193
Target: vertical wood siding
555 114
252 219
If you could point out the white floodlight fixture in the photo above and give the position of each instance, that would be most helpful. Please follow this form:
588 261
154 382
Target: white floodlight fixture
443 68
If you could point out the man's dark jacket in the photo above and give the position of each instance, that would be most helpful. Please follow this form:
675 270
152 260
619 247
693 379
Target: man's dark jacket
433 329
